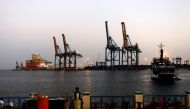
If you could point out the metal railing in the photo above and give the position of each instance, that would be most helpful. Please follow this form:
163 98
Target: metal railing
116 102
111 102
18 102
164 101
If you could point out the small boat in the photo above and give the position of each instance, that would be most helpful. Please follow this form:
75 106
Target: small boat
162 68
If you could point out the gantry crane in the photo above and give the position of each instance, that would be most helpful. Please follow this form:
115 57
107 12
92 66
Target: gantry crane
58 54
70 57
129 48
112 51
66 51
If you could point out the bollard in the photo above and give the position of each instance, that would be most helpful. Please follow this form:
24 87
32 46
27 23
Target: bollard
188 99
86 100
138 100
77 99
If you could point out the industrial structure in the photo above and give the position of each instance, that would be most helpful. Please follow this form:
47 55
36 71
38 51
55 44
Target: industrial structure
123 57
129 50
178 60
67 60
19 67
186 62
112 51
58 54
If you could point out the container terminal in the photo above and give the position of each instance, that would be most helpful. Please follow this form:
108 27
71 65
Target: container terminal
116 58
127 56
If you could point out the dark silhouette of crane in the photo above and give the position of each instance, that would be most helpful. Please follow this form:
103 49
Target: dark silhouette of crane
67 60
70 57
58 55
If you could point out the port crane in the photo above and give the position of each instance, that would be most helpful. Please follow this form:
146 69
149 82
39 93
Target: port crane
112 50
67 60
129 50
58 55
70 57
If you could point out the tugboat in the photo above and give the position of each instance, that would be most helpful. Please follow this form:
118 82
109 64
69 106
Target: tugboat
162 68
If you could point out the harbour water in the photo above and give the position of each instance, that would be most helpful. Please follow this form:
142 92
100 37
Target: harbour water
98 83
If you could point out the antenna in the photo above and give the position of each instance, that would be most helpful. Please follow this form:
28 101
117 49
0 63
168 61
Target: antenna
161 45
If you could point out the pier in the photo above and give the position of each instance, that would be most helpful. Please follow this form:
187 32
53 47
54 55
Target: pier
136 101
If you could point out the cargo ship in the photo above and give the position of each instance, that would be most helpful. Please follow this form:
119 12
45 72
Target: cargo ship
162 68
35 63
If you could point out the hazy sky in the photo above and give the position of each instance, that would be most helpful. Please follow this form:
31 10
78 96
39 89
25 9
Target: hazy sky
27 26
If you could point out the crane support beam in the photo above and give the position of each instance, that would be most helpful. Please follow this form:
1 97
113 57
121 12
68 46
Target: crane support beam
64 43
55 45
107 33
125 36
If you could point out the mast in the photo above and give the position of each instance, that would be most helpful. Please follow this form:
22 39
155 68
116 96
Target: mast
161 51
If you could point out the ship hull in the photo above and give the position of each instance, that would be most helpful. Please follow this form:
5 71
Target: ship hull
164 76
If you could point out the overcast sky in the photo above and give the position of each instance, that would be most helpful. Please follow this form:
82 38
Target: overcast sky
27 27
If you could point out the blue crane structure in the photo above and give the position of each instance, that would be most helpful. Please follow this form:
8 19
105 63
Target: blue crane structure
127 55
112 50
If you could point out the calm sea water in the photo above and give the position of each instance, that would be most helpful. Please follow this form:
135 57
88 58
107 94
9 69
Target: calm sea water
103 83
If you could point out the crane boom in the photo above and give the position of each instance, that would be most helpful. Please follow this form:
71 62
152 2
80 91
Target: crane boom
107 33
55 45
125 36
64 43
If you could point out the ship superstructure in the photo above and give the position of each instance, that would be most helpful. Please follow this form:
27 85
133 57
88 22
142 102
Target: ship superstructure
162 68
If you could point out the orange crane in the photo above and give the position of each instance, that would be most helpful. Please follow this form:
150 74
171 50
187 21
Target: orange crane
129 48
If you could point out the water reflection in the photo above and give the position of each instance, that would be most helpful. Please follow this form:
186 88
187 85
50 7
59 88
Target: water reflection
111 83
88 80
61 77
